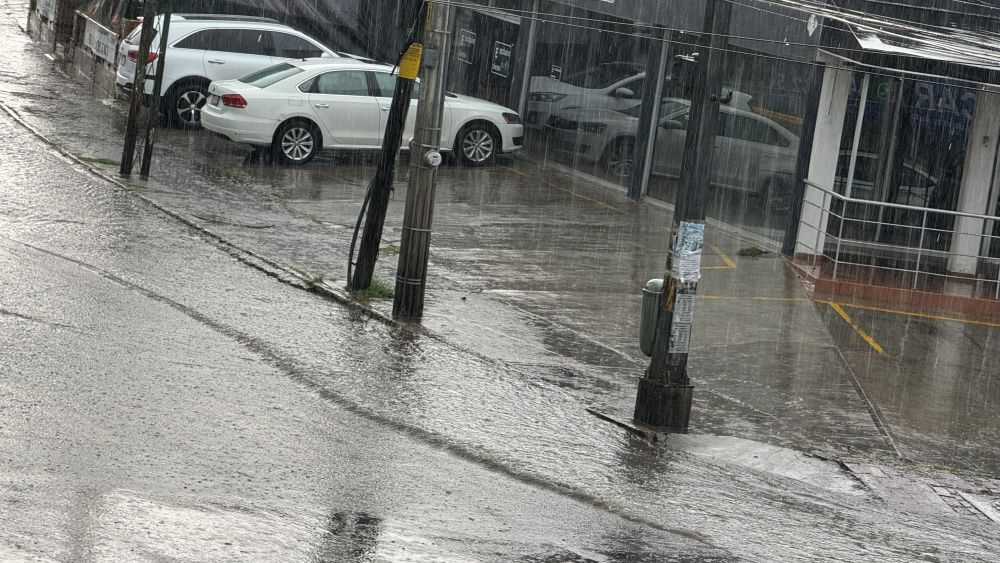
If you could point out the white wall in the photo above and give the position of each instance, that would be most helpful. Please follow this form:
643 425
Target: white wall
977 178
825 153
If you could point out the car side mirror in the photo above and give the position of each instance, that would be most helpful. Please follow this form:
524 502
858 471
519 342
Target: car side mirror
623 93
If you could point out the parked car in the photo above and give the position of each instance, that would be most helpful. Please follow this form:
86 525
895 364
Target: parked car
609 137
612 86
203 48
916 184
300 107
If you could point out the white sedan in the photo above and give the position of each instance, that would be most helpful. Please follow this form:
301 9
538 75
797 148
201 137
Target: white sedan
298 108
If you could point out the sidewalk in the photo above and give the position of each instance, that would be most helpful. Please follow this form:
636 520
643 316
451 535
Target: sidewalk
529 267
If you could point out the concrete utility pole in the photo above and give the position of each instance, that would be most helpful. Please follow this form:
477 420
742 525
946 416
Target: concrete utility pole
138 86
377 199
154 105
665 392
425 157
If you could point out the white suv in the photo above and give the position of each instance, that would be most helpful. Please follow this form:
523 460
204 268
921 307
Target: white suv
204 48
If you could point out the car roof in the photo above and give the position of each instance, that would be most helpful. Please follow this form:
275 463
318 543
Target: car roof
221 17
345 63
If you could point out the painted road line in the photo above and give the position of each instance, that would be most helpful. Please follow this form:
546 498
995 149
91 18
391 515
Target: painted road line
585 198
730 263
515 171
929 316
755 298
864 335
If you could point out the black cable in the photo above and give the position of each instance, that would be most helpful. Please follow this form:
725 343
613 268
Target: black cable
411 38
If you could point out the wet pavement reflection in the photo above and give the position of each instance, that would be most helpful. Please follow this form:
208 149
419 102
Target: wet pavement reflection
166 399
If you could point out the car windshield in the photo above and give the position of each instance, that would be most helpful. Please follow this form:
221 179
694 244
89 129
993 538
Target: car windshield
601 76
271 75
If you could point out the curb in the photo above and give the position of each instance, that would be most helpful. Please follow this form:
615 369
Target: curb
248 257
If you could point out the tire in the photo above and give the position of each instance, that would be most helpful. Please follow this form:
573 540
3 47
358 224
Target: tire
619 157
183 105
477 144
296 143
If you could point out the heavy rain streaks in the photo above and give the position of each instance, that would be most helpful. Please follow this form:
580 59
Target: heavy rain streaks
186 377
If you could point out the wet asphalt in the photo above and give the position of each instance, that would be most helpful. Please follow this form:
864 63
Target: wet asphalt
164 399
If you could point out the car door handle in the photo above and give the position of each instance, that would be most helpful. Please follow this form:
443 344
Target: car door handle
384 108
216 62
324 106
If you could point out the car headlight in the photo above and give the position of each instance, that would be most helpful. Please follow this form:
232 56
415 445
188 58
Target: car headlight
590 127
511 118
545 97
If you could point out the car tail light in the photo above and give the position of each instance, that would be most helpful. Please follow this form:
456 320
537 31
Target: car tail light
134 55
234 101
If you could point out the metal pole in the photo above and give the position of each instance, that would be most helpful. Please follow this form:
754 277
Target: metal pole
411 276
138 86
663 400
840 238
920 250
153 116
377 200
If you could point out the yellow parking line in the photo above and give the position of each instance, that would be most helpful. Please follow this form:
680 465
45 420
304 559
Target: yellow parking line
730 263
516 171
585 198
915 314
864 335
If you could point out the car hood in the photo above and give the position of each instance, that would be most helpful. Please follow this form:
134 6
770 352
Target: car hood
548 84
608 116
457 101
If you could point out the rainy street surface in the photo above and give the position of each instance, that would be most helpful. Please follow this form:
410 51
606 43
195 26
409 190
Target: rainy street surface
183 381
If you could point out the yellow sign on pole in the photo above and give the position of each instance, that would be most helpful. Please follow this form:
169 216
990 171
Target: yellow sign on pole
409 66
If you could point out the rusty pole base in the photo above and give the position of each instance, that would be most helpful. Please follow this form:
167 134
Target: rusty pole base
666 408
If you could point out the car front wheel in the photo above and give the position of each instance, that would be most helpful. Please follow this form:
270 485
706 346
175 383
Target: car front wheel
477 144
296 143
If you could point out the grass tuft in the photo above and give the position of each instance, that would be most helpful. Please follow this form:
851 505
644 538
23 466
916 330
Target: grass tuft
751 252
96 160
379 289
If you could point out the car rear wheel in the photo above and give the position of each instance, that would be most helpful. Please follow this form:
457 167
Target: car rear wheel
620 157
477 144
296 143
185 103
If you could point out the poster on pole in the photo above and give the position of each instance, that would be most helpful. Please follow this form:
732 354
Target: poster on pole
466 46
501 59
688 246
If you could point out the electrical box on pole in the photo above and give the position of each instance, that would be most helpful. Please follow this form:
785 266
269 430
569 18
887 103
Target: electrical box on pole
665 392
425 157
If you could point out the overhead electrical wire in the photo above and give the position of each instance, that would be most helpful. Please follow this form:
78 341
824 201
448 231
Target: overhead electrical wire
929 78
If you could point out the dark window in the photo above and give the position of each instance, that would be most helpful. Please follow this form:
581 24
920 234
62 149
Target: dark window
292 47
387 85
246 41
200 40
341 83
271 75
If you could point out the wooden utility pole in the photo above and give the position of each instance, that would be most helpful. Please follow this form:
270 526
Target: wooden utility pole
425 157
153 116
665 392
377 198
138 86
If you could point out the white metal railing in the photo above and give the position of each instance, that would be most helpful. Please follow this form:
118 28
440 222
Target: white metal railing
861 234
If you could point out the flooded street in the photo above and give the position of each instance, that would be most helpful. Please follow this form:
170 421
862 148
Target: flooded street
185 378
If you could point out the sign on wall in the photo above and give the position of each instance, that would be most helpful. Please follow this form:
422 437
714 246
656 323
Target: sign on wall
100 40
501 59
466 44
